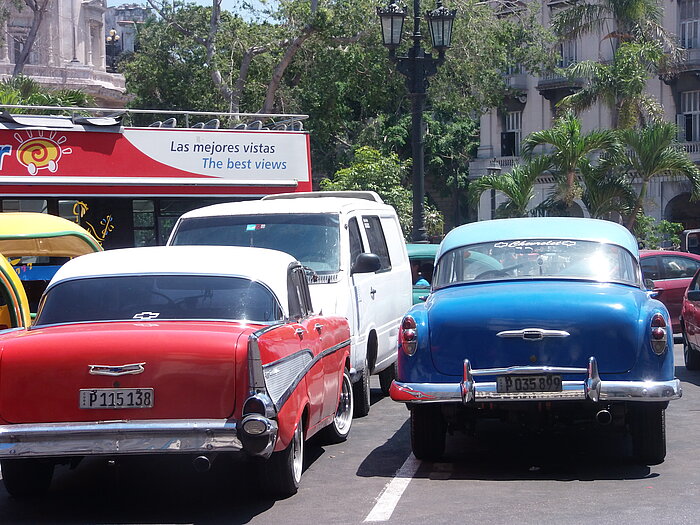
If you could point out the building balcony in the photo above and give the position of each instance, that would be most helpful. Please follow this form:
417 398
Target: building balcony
108 89
693 150
517 81
555 86
478 166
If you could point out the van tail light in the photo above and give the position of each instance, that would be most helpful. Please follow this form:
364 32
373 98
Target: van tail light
408 335
658 334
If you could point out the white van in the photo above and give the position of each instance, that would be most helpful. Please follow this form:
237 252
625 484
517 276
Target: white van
354 252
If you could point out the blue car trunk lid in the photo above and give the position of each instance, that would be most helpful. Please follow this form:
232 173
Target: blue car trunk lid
601 320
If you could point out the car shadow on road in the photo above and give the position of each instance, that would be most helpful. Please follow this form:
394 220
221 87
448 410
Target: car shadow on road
503 452
143 490
688 376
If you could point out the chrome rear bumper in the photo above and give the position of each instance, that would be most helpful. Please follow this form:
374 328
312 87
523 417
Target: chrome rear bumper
125 437
591 387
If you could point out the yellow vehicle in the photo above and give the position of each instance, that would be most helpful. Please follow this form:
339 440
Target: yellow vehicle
33 247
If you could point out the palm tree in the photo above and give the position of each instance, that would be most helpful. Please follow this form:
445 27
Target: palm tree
653 151
570 149
606 190
631 20
620 85
22 90
518 186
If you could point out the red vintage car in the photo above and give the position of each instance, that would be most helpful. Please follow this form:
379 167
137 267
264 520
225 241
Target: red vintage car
173 350
690 324
671 272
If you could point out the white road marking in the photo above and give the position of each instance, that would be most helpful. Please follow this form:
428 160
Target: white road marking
391 494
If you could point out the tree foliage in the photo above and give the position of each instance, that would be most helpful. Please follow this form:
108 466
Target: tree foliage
571 148
518 186
652 151
654 235
22 90
371 170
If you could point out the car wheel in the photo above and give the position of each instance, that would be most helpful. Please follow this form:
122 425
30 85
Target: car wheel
25 478
649 434
691 357
386 376
283 469
361 393
428 431
338 430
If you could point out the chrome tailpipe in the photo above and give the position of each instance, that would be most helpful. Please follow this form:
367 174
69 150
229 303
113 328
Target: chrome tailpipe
603 417
201 464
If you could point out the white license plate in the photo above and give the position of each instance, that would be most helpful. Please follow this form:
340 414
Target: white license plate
116 398
540 383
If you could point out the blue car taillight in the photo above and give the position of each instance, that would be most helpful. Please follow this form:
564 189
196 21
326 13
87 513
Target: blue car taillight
658 334
408 335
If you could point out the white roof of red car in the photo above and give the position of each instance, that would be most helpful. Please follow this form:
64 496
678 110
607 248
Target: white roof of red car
258 264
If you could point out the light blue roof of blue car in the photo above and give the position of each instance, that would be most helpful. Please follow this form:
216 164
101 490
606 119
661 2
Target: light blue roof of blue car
540 228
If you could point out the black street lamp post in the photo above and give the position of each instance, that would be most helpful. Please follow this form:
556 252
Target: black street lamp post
112 46
417 66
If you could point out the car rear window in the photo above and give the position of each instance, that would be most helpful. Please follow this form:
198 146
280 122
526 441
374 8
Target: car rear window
537 259
157 297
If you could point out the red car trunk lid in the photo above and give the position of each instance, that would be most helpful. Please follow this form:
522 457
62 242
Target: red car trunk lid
191 367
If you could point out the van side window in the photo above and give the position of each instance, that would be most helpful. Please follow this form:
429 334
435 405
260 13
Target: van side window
355 240
377 242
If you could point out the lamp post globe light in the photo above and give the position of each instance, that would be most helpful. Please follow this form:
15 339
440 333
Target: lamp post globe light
417 66
112 44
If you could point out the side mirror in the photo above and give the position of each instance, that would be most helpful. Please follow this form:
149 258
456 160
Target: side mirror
366 263
648 284
694 295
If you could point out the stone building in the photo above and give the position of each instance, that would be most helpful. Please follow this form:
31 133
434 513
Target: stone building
69 52
532 108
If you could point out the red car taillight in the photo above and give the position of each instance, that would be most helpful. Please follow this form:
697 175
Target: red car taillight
658 333
408 336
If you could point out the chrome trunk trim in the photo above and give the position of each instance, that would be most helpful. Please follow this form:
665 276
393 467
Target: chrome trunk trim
163 436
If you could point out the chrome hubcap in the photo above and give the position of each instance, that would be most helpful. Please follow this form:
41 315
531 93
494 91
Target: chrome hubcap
298 452
343 415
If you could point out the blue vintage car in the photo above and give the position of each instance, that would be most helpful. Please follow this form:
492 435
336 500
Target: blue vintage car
563 326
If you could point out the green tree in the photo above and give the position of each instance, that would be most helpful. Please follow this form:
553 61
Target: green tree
570 148
22 90
653 235
620 85
624 21
653 151
518 186
372 170
607 191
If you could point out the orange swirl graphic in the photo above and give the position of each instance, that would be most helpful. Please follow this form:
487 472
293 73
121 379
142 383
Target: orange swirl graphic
39 152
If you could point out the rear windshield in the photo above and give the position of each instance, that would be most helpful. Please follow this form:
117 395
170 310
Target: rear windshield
312 239
157 297
537 259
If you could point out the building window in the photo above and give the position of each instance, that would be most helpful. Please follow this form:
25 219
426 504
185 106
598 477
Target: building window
689 119
512 134
567 53
690 23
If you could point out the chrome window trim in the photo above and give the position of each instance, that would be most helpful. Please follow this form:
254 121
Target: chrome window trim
156 322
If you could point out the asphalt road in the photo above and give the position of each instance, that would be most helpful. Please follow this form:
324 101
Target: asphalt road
506 476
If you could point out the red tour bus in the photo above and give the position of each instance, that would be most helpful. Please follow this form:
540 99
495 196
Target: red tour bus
126 183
